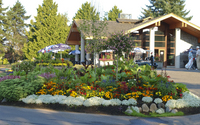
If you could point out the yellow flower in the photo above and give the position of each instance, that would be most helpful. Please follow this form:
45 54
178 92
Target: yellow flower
73 94
167 98
88 87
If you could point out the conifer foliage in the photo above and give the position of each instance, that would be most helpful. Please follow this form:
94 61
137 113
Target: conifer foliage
15 31
113 14
50 28
2 30
87 12
162 7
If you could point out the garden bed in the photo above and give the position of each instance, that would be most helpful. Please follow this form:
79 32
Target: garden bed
109 110
104 90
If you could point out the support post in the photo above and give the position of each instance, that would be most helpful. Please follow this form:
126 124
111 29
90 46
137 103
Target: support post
178 47
82 48
77 55
152 39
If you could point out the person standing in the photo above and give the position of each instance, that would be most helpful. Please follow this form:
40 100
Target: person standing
152 59
190 59
198 57
190 55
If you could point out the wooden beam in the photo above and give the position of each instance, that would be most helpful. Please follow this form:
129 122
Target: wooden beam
157 23
75 30
73 43
165 56
178 25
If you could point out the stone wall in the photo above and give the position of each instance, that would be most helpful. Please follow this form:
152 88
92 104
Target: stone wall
188 41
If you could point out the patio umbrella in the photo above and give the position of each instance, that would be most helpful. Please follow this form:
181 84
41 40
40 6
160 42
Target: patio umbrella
42 50
46 49
107 50
59 47
138 50
49 48
75 52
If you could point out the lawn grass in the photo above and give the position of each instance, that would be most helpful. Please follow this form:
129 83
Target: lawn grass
155 114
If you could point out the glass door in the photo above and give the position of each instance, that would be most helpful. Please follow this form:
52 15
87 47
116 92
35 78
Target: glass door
162 54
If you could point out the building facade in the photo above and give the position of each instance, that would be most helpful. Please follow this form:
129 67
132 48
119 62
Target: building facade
167 36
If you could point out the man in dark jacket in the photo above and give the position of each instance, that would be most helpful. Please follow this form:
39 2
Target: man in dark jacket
152 59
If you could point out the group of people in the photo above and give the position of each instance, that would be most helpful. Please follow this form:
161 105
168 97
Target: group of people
193 63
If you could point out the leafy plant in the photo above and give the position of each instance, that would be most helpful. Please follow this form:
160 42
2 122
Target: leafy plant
15 89
26 66
9 77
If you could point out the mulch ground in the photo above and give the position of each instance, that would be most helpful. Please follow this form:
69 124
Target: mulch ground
110 110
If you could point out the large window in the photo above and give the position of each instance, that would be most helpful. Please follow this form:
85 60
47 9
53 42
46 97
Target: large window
159 38
171 50
159 44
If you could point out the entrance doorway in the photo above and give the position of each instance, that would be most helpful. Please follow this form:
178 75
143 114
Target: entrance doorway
162 54
159 54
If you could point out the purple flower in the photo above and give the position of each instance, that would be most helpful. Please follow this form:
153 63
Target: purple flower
48 75
9 77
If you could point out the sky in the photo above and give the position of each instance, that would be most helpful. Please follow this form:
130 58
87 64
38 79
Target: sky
71 7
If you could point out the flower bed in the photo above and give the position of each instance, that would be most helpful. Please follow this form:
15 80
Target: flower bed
85 87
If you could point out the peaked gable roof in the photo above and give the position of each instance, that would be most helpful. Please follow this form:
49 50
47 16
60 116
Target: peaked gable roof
173 20
131 25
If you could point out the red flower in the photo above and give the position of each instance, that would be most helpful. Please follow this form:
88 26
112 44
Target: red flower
168 77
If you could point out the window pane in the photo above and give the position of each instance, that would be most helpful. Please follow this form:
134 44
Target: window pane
159 32
171 50
171 45
159 38
146 37
170 59
146 44
159 44
172 38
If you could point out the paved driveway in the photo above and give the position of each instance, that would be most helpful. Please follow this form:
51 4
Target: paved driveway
189 77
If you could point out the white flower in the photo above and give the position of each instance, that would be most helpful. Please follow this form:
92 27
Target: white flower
158 100
30 99
106 102
125 102
132 101
147 99
135 108
171 103
115 102
93 101
189 100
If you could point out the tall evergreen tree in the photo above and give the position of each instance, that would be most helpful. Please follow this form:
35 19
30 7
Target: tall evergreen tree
2 30
162 7
50 28
16 30
113 14
87 12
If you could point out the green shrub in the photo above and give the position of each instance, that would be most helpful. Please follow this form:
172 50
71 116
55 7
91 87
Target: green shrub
15 89
26 65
